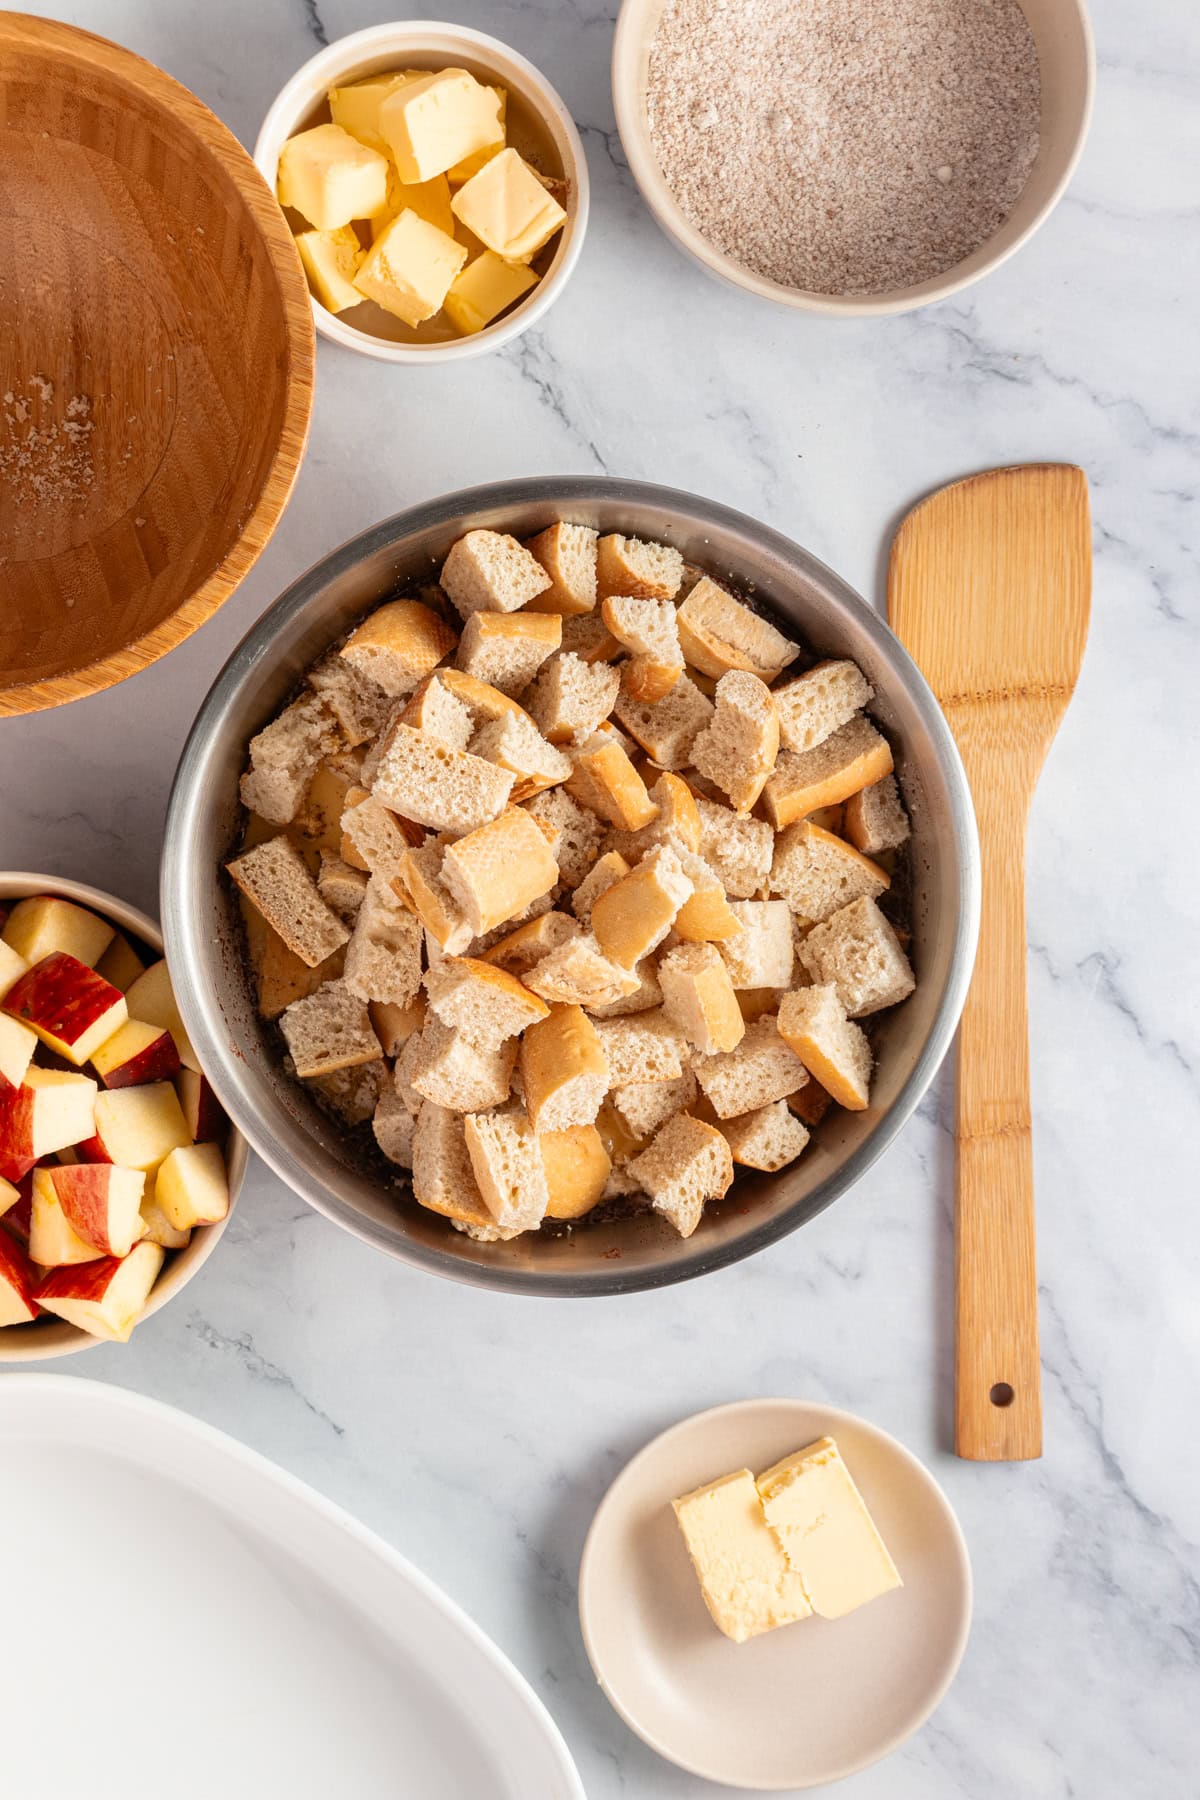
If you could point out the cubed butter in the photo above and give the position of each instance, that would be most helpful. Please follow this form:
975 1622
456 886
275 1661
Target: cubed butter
743 1573
470 165
435 122
331 178
508 209
821 1523
331 261
356 108
409 269
430 200
483 290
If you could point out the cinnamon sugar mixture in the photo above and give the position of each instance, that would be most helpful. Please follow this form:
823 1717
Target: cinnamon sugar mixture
845 146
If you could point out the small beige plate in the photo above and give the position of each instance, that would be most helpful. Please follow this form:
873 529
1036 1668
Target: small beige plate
808 1703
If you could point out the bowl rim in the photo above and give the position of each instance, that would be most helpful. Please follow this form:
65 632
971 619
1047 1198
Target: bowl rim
341 58
16 884
670 217
23 31
212 1039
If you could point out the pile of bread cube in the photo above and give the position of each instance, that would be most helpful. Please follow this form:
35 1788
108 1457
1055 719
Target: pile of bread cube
101 1173
558 874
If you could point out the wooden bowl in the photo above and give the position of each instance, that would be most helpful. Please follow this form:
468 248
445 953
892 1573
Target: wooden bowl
156 362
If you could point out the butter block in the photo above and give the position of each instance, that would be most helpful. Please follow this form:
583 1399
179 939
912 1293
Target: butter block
743 1573
331 178
430 200
483 290
331 261
508 209
356 107
435 122
409 269
821 1522
470 165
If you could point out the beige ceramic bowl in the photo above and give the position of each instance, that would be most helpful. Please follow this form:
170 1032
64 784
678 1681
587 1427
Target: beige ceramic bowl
48 1337
1067 55
808 1703
539 124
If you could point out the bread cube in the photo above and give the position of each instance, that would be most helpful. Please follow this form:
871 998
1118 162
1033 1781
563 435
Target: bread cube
275 879
718 633
571 698
646 1105
443 1179
398 645
649 631
813 1023
507 649
666 729
508 1167
645 1048
698 998
854 757
768 1138
634 915
577 833
857 952
686 1165
762 1069
737 751
485 1003
635 568
875 819
498 870
817 873
603 779
488 571
447 1067
564 1070
816 704
761 955
329 1030
577 1167
577 971
568 555
383 957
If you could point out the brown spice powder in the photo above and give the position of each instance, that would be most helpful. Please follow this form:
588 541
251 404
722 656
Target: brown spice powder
845 146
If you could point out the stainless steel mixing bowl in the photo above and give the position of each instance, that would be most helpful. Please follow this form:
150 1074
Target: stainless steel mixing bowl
242 1057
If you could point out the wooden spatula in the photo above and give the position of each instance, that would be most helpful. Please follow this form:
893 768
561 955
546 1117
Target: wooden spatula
989 586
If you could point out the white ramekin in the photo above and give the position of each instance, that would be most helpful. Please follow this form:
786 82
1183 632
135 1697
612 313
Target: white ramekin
416 43
50 1337
1067 55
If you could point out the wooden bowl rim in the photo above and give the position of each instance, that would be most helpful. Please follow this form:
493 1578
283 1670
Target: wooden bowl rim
22 30
54 1337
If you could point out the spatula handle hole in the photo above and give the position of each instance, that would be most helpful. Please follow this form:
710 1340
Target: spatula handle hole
1002 1394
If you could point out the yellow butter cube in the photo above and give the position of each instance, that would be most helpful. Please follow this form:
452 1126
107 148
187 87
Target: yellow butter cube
434 123
356 108
331 261
430 200
410 267
483 290
331 178
471 165
508 209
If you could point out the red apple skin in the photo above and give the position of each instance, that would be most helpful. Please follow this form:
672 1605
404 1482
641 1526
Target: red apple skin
18 1272
157 1062
16 1132
61 995
82 1192
203 1111
79 1281
91 1150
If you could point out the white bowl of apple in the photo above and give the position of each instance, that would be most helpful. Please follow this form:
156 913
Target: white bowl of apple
118 1168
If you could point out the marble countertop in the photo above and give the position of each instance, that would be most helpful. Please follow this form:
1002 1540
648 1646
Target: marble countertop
478 1432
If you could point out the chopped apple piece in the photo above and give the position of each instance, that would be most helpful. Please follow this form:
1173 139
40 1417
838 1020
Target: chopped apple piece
18 1278
135 1054
72 1009
151 997
43 924
107 1297
159 1229
9 1195
17 1214
99 1201
51 1109
17 1045
120 963
203 1111
136 1127
11 965
192 1187
53 1240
